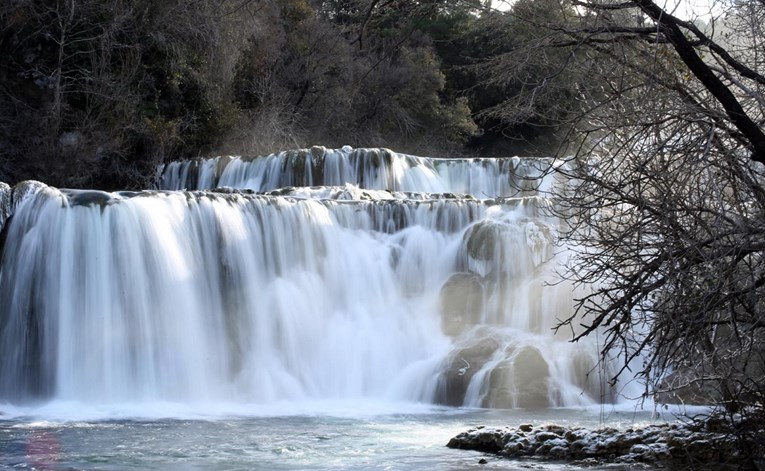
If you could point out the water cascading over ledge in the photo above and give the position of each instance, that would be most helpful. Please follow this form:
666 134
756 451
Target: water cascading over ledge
373 169
298 294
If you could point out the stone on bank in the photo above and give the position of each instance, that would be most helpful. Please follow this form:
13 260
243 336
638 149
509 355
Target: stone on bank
664 444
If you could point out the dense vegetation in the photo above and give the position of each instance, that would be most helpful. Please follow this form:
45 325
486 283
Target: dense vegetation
97 93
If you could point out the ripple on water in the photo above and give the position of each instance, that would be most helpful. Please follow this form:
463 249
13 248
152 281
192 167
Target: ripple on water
312 442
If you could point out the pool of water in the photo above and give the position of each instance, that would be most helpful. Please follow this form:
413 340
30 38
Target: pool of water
323 436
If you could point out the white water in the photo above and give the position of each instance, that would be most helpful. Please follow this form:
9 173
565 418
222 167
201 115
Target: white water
331 294
379 169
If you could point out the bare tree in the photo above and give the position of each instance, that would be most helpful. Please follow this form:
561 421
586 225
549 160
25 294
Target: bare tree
665 192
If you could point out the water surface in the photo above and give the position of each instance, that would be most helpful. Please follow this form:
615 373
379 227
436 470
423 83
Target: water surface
288 436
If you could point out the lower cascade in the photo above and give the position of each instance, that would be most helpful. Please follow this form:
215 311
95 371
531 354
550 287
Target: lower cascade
333 292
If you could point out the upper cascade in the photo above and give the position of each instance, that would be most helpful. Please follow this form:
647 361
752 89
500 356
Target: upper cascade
370 169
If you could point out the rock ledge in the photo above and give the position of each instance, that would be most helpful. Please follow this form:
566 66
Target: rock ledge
655 444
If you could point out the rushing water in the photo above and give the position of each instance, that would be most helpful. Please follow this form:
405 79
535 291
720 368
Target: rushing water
375 169
352 277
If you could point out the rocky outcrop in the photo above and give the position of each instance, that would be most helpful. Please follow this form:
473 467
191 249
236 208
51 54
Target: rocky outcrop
10 198
469 356
488 368
5 203
657 444
23 190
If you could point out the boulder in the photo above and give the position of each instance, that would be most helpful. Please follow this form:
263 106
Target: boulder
483 240
671 445
520 381
469 356
461 302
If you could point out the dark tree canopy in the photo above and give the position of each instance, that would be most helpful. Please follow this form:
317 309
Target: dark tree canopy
97 94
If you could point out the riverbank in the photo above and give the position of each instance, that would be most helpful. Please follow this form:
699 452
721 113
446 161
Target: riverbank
672 445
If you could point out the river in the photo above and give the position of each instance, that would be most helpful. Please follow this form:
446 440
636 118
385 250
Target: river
310 436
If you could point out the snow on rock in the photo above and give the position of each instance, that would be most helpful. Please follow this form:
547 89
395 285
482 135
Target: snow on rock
11 198
653 444
5 203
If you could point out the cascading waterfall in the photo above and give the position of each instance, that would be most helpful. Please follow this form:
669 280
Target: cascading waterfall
400 289
373 169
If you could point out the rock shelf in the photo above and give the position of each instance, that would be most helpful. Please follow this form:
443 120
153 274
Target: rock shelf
656 444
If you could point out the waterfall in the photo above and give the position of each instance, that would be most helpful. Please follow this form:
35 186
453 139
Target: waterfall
379 169
328 274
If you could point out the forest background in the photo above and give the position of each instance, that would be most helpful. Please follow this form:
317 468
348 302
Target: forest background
98 93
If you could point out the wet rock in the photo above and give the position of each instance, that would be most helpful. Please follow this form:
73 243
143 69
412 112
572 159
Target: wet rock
317 152
659 444
483 240
5 203
489 244
461 303
88 198
10 198
469 356
220 165
511 375
540 241
24 190
520 381
487 440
